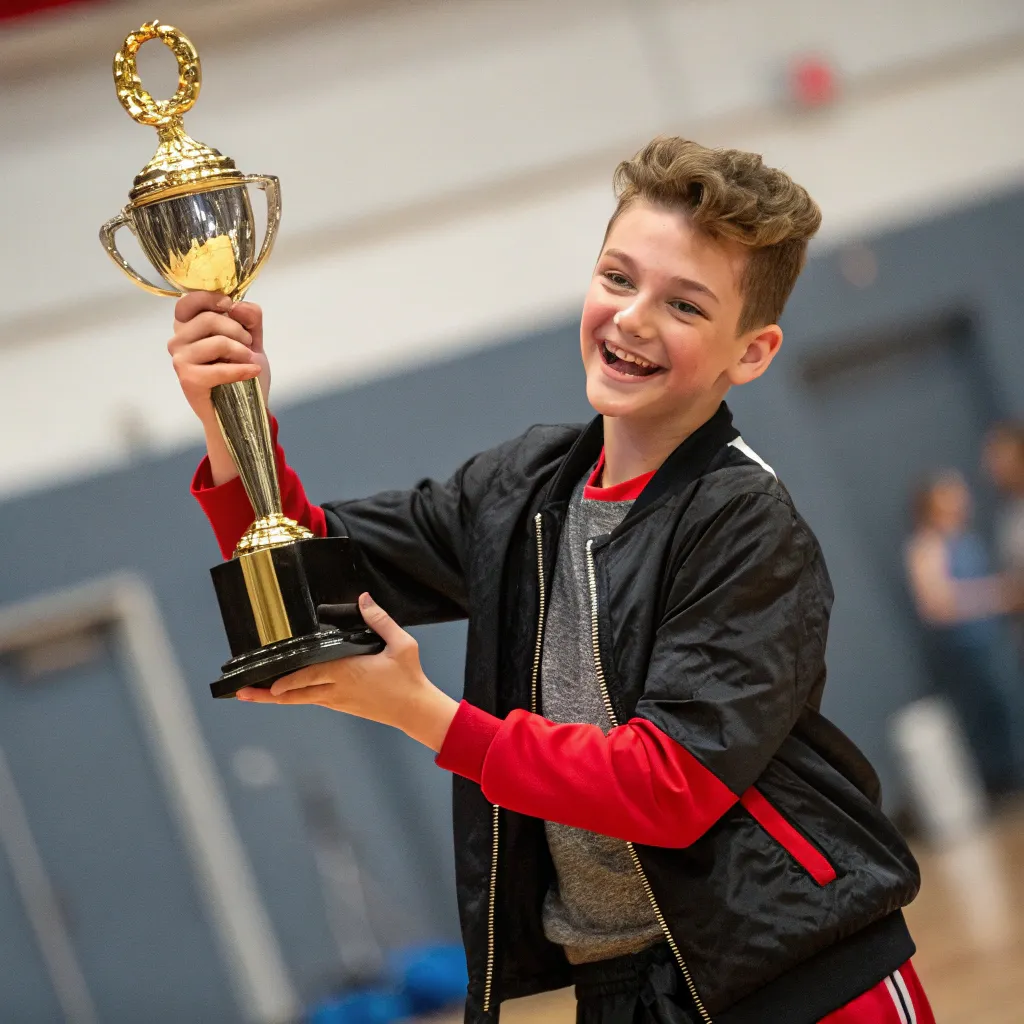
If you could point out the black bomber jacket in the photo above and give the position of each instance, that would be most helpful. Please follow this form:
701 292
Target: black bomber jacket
711 611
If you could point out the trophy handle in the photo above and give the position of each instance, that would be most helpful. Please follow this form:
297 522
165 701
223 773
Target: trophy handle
107 233
271 187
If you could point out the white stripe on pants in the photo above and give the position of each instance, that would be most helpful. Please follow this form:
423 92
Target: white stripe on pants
900 995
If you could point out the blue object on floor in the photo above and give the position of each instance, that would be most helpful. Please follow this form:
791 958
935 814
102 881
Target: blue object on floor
430 977
365 1006
418 980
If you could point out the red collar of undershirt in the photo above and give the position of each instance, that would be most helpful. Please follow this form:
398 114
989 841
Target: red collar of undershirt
628 490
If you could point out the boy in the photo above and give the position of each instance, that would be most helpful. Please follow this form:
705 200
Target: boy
647 802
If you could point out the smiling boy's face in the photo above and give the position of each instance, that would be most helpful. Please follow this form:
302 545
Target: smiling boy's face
658 333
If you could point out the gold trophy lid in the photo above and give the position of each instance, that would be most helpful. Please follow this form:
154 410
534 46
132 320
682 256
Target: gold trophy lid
180 164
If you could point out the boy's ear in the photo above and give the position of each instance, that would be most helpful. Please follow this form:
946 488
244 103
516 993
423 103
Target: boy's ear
757 350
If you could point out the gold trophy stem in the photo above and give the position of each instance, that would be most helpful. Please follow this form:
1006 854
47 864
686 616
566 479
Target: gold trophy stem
245 426
265 597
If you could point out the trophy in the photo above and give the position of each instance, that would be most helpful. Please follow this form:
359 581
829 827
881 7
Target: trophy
287 598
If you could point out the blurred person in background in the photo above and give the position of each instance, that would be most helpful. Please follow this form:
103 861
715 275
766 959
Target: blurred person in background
966 609
1004 461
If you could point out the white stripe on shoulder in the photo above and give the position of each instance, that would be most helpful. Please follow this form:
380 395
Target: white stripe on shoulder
740 445
902 986
896 1001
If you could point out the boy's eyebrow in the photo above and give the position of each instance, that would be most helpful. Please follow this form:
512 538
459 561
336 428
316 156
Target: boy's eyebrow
682 282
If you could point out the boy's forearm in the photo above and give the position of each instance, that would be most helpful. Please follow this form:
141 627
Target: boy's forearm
428 716
634 783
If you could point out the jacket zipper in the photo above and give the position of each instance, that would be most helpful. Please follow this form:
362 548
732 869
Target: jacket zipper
606 699
495 809
540 615
489 977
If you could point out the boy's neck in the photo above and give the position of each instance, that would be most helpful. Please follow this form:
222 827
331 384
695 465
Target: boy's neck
632 448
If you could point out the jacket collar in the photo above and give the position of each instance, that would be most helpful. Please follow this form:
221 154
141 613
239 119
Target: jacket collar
683 467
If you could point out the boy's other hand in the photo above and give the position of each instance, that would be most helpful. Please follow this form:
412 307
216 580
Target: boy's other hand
216 341
389 687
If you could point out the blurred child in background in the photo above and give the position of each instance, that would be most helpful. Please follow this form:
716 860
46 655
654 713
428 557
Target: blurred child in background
967 609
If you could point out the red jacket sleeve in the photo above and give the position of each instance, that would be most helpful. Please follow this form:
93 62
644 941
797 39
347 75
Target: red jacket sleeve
228 508
635 783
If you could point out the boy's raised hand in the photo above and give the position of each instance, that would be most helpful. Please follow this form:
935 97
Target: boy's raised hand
216 341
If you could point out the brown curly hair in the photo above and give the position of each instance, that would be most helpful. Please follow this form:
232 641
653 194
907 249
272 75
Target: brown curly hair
729 194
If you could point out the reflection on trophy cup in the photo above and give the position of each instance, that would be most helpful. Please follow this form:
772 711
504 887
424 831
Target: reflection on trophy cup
287 599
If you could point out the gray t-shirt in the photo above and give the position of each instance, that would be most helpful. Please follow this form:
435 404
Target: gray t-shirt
598 908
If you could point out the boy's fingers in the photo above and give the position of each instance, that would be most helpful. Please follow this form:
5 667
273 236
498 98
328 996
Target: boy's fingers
207 377
305 677
210 350
193 303
250 316
319 694
205 325
254 695
381 623
303 695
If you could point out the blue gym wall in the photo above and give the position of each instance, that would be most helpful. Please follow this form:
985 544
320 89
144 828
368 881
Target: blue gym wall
393 431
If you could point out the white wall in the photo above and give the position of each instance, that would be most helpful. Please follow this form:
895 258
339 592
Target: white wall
445 169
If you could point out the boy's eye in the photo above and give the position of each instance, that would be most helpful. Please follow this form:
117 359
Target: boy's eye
686 307
617 279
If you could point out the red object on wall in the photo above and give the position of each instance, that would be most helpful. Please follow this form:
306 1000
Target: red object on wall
813 81
11 9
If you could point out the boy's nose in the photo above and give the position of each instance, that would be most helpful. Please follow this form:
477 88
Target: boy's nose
632 321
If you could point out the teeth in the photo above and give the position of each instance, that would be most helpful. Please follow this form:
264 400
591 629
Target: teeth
630 358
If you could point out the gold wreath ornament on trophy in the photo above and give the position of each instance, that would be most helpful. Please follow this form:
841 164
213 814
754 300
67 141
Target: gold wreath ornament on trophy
287 599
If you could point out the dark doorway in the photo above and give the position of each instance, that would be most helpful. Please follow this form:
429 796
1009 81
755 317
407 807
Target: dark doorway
893 407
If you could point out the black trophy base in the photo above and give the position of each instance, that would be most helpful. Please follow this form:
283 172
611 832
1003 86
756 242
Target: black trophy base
316 585
263 667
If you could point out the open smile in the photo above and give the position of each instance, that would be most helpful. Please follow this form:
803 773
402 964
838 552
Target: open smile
621 364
